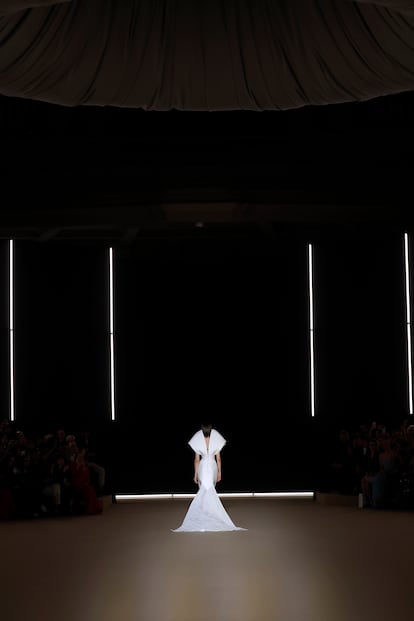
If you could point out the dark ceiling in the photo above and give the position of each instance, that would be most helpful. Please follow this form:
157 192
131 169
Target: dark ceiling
110 173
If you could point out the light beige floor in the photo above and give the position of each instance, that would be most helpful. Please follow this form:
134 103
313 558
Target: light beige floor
298 561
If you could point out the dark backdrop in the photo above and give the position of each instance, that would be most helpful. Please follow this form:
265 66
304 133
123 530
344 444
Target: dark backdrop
211 326
61 339
360 326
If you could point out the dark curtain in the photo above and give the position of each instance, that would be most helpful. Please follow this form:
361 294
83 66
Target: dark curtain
205 55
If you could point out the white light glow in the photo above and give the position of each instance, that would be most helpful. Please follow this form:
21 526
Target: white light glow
136 497
311 332
283 494
11 327
111 332
408 323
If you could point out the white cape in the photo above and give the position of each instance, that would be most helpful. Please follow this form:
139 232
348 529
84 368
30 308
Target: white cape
206 511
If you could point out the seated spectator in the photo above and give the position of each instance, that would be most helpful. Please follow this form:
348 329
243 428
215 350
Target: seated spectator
341 470
98 472
371 469
386 481
57 488
70 448
81 484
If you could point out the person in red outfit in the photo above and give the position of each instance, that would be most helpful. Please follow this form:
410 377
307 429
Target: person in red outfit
82 486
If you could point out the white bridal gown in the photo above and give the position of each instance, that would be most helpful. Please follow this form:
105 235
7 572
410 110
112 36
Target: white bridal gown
206 511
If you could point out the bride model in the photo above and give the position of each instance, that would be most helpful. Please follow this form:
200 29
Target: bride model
206 511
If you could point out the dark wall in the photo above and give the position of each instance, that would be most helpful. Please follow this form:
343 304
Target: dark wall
61 335
210 327
214 329
360 327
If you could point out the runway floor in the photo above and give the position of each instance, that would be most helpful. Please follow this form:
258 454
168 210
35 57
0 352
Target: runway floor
298 561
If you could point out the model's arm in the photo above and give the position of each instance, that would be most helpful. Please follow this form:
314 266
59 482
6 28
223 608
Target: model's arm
196 463
218 460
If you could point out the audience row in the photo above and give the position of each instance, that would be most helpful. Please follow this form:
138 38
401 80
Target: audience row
56 473
48 474
373 462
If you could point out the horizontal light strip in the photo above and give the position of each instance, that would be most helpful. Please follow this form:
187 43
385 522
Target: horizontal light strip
134 497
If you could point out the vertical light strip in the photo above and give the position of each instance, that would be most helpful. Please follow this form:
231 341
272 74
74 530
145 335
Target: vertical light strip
111 332
311 332
408 323
11 326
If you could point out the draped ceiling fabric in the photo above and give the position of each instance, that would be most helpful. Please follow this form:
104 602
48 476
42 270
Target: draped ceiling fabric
205 54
